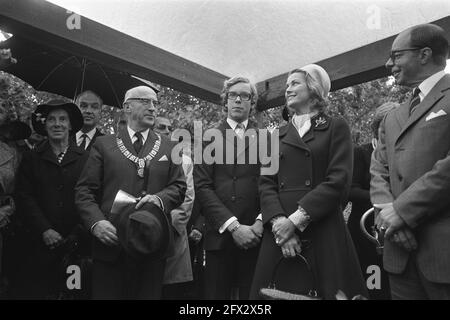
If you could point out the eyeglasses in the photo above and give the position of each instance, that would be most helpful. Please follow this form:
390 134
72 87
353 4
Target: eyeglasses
144 101
395 54
244 96
164 127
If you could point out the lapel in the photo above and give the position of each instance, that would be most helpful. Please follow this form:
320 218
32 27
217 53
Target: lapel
430 100
123 134
91 142
148 145
402 113
73 154
289 135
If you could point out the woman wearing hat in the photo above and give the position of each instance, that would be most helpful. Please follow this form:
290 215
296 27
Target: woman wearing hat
45 197
302 204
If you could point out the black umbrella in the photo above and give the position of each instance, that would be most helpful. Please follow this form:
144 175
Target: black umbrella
51 70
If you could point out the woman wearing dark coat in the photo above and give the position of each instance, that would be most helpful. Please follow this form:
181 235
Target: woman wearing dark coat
302 204
45 198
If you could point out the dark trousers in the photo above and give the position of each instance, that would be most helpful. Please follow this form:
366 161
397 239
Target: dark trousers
228 269
412 285
127 279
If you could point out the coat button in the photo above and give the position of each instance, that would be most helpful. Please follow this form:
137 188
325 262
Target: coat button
307 183
281 185
233 198
281 155
234 178
60 187
307 154
400 177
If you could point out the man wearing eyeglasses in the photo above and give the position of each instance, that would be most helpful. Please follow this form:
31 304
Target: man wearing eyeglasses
114 164
410 169
163 126
229 196
90 105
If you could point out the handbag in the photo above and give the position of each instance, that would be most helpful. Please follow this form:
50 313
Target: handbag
308 293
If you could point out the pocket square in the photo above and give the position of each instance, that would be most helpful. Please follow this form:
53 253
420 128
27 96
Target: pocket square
163 158
433 115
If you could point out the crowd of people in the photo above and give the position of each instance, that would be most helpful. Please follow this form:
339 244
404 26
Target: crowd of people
140 225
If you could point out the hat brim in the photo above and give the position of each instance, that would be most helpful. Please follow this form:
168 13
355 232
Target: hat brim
75 116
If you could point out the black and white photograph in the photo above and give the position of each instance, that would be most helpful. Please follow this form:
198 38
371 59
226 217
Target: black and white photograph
224 155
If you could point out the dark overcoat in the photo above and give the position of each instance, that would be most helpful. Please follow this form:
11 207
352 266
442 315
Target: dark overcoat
315 172
106 172
45 200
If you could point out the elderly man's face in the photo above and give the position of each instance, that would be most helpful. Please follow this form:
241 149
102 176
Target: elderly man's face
58 125
162 126
141 112
90 107
239 108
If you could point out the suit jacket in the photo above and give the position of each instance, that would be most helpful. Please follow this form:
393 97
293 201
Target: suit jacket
315 172
97 134
226 190
107 171
411 168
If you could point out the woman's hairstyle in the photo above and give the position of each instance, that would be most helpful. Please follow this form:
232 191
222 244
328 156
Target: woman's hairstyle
314 88
235 80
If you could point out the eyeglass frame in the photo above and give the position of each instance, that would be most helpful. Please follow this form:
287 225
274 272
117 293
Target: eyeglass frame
169 127
250 96
145 101
393 57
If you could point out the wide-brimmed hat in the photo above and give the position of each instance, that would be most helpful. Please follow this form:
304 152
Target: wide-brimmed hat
15 130
144 233
39 116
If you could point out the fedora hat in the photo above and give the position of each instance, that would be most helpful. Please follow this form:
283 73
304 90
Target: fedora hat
39 116
145 232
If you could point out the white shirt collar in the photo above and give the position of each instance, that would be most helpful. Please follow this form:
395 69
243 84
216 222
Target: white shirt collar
428 84
302 122
131 132
90 135
233 123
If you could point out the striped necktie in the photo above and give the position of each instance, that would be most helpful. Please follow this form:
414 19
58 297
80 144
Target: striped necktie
414 101
240 130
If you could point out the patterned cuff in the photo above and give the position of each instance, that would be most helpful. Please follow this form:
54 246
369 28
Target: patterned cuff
300 219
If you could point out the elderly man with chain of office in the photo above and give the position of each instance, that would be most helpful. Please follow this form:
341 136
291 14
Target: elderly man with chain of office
135 160
411 169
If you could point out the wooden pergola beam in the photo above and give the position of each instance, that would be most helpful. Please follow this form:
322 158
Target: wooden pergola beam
45 23
347 69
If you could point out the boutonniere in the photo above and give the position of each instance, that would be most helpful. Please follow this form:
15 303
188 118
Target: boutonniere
319 121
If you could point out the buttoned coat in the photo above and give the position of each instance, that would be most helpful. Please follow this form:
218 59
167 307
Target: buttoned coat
411 168
315 173
228 189
106 172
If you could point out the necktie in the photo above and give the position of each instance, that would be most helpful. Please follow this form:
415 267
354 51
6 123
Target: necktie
138 143
414 101
83 142
240 130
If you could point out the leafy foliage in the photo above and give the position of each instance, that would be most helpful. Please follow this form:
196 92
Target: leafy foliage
356 104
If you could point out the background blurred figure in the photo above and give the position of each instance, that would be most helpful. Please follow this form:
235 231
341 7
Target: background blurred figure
90 105
360 198
163 126
178 272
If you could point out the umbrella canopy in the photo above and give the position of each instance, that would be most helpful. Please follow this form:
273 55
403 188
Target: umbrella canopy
63 73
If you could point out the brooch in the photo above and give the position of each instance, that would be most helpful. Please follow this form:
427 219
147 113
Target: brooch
320 121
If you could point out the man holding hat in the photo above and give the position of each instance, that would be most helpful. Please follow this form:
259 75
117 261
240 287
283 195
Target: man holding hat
45 197
130 246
